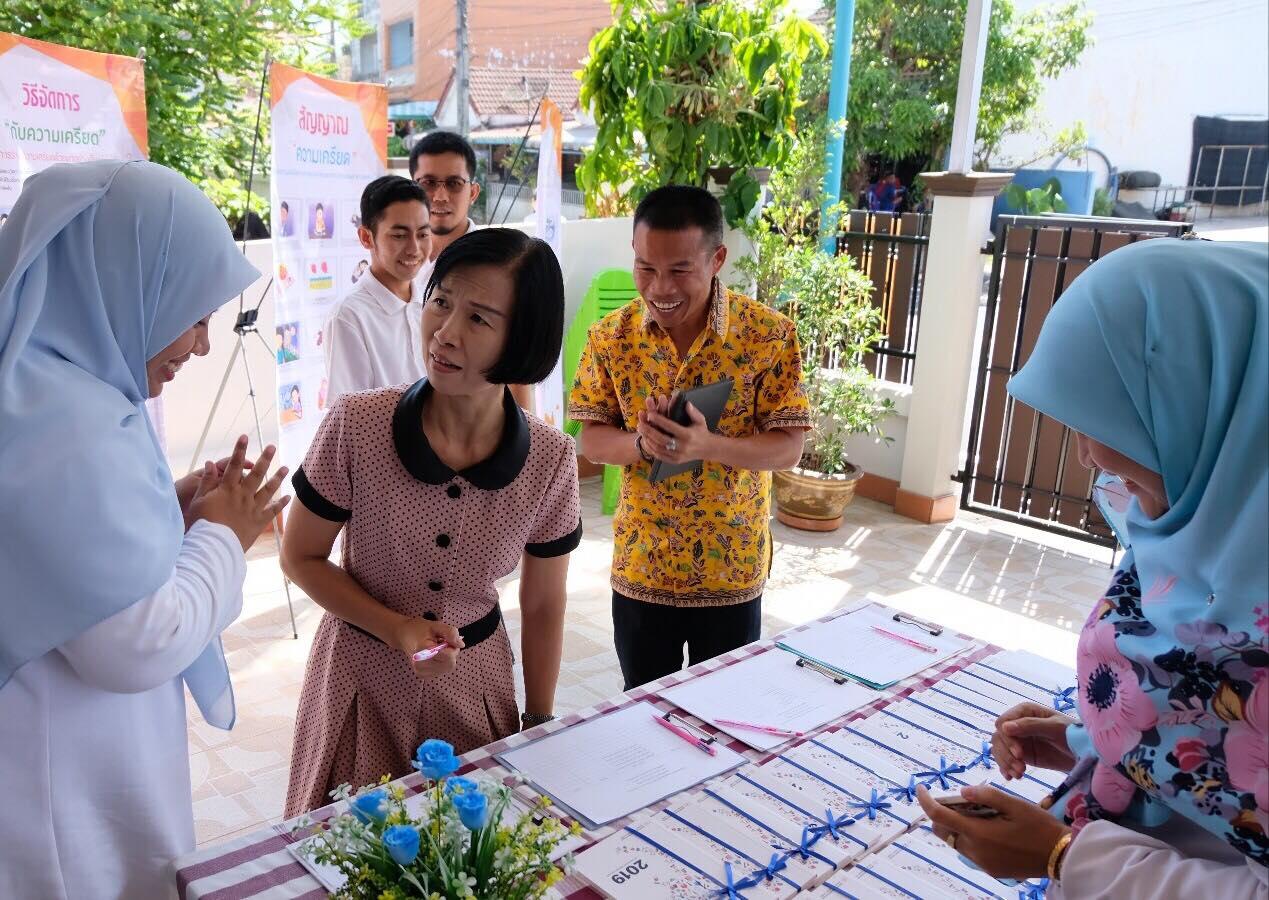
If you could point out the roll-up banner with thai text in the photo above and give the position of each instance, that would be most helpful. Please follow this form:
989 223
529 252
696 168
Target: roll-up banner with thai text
548 397
330 139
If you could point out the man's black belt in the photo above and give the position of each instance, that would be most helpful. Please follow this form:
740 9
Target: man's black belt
472 633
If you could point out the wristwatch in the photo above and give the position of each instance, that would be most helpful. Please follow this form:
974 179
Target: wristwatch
528 720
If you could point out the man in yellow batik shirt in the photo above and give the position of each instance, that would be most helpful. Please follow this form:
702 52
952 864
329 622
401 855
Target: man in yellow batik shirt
690 554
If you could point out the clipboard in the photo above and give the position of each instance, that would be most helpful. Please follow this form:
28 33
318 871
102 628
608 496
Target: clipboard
709 400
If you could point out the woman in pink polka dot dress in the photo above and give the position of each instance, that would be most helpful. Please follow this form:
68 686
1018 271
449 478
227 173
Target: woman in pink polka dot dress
443 487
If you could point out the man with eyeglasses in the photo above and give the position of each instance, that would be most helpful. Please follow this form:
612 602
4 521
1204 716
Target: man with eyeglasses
444 165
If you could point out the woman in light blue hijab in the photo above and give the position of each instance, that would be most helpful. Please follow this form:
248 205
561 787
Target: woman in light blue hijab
109 272
1157 358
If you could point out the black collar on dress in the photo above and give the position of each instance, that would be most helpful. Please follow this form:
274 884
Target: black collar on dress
420 460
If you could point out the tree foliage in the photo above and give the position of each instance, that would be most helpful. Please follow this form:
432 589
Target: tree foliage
905 66
203 67
679 87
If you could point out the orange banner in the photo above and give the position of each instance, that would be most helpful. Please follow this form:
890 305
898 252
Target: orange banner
124 74
371 99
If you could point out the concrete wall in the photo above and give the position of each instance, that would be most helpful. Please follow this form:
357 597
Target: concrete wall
1153 66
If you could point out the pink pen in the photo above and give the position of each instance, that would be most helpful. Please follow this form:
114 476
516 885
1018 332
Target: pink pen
911 643
767 729
429 653
694 741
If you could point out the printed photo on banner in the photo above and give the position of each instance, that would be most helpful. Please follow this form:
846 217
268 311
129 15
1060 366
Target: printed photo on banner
321 396
288 337
360 267
285 219
321 220
290 404
285 277
4 216
321 275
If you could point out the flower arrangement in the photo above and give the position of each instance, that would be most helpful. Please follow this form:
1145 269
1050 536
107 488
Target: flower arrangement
463 844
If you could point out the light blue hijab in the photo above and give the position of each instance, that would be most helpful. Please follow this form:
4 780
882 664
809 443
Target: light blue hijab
1161 352
102 265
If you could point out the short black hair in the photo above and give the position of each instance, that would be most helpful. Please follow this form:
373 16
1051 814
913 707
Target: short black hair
536 330
285 206
676 207
385 191
322 208
437 142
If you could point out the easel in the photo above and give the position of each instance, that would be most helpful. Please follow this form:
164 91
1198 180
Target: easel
245 324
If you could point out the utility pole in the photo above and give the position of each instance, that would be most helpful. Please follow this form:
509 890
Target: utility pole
461 77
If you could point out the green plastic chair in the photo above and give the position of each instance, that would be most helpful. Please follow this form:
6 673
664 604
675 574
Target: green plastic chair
609 291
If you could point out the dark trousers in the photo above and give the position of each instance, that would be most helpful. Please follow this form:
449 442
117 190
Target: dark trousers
650 636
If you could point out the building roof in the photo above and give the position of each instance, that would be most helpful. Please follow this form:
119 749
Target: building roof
506 91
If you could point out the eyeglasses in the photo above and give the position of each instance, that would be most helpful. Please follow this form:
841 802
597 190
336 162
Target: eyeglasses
452 185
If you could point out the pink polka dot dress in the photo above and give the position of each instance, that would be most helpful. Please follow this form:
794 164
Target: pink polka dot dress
430 542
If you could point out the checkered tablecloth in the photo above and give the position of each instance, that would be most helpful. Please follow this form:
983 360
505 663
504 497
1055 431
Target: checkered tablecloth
259 865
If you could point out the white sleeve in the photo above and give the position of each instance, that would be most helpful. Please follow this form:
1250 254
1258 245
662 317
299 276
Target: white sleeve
158 637
1109 861
347 360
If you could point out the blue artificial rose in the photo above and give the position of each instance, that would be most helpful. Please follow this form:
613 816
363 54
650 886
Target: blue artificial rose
473 808
402 843
459 785
435 759
371 807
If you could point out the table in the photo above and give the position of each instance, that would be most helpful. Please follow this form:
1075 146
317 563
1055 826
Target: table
260 867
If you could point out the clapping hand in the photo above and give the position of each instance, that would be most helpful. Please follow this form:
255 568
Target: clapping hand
239 497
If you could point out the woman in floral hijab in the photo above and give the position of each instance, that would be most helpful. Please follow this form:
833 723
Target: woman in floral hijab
1158 359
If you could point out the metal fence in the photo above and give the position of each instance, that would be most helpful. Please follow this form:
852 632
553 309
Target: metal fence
1022 466
890 249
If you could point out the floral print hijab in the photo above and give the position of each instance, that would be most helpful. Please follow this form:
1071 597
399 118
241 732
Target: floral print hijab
1161 352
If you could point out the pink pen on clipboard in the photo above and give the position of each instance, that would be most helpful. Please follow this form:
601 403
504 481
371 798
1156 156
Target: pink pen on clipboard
685 735
911 643
429 652
766 729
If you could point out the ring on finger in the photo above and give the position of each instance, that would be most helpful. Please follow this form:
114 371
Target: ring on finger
671 445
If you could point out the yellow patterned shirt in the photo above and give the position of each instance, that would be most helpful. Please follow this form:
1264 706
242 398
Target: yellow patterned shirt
700 538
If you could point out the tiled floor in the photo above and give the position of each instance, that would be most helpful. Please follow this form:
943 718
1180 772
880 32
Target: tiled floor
1010 585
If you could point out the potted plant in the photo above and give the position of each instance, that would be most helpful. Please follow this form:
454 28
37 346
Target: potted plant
830 302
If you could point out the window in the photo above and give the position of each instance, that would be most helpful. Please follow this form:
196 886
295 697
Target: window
366 64
401 44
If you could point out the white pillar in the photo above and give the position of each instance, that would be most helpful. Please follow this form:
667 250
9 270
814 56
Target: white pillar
945 345
965 120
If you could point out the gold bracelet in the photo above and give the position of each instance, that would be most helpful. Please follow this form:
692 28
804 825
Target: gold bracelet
1055 858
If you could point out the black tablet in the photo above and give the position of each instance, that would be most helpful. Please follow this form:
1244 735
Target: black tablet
709 400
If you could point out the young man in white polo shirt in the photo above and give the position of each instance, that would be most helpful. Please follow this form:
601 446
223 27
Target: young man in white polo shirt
373 340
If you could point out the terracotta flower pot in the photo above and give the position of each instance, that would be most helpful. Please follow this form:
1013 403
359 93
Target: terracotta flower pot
813 501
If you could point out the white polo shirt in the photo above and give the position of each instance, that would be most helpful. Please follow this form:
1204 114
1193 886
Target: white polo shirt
374 339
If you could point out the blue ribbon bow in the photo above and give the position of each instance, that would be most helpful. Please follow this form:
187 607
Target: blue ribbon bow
909 792
1034 891
1062 699
872 806
983 758
941 774
729 889
778 861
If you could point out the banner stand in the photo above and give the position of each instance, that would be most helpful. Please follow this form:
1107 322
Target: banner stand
244 325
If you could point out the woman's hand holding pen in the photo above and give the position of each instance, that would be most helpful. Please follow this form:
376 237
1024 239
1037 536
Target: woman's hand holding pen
412 635
1031 734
